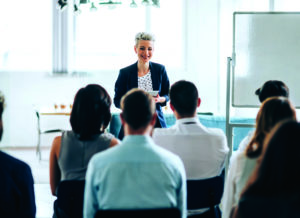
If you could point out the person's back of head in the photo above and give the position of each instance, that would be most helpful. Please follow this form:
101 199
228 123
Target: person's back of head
91 111
1 111
184 98
272 111
138 108
272 88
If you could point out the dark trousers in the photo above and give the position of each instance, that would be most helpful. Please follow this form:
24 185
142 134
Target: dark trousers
121 133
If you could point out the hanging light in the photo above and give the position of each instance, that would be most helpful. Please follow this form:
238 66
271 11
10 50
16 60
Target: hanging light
156 3
133 4
93 7
77 11
110 4
62 4
146 2
76 4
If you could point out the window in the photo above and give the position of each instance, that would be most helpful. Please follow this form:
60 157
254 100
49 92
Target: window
26 35
104 39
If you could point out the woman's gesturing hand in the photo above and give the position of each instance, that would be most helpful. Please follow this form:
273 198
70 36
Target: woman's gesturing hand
159 99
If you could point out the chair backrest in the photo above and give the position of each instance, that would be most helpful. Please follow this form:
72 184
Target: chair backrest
70 194
275 207
139 213
205 193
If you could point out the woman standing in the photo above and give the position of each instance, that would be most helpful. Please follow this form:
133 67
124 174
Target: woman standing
145 75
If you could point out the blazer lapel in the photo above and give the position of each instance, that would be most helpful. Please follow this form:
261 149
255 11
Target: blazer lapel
134 76
154 77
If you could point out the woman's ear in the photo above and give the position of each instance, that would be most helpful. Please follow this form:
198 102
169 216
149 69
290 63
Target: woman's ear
135 49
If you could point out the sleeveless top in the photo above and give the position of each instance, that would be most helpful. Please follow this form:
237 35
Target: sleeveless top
74 154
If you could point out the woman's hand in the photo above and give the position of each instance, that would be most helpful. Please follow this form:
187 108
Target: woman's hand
159 99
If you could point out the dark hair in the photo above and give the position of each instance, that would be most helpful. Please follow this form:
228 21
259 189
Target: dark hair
91 111
279 164
2 102
272 111
138 108
272 88
184 97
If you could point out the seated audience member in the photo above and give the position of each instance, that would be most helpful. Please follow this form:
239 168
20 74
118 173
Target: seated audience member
271 88
273 189
203 150
203 157
272 111
16 184
137 173
71 152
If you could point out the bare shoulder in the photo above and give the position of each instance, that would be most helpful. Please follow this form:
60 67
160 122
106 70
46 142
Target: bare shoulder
55 149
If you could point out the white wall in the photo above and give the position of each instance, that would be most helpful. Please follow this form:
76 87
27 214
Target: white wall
23 90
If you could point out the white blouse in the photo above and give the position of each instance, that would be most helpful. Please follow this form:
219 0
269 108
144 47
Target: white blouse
241 168
145 82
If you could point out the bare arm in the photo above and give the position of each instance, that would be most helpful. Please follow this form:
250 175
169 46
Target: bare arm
55 173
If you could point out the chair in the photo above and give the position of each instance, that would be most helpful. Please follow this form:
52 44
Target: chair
69 202
205 193
38 147
139 213
276 207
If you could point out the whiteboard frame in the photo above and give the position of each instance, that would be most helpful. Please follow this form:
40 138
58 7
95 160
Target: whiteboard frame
230 90
233 60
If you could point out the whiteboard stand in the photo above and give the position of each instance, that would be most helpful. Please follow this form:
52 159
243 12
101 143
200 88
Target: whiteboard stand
230 126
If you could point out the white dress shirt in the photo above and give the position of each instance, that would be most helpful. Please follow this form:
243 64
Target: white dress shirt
203 150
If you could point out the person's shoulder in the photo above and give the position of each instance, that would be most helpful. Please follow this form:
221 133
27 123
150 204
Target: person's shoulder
215 132
10 162
128 68
156 66
162 131
104 157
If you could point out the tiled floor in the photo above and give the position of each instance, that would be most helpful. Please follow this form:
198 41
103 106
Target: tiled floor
40 171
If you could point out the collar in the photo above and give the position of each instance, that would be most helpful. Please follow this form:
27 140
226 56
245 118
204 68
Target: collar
187 121
137 139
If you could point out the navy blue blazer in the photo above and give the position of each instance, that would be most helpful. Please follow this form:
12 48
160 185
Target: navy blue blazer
16 188
128 79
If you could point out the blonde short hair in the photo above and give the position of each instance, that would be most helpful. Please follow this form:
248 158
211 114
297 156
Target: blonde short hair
144 36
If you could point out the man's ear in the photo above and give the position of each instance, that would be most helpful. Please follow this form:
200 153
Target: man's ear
122 118
199 102
153 120
172 107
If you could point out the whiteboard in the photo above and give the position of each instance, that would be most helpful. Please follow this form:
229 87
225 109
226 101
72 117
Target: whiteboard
266 46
